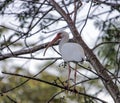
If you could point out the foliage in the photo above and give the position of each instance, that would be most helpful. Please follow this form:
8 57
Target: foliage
110 38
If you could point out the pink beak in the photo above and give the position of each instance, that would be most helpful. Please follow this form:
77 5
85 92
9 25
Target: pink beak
52 42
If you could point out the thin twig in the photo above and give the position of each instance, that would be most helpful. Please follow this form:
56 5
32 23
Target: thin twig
13 101
75 11
87 17
114 42
8 46
65 7
35 58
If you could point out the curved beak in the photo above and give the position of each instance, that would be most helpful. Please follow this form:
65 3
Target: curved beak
51 43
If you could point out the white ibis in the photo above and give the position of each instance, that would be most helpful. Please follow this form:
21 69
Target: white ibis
70 52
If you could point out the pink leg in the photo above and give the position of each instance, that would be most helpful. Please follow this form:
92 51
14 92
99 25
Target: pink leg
75 75
69 71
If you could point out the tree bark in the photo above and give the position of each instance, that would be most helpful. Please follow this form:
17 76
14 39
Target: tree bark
104 76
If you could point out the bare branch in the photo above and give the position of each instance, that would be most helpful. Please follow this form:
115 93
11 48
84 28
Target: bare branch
115 42
13 101
114 5
86 17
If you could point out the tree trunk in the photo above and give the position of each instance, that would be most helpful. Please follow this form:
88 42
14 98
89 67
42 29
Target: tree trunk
101 71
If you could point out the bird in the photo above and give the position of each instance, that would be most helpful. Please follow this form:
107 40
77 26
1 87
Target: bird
70 51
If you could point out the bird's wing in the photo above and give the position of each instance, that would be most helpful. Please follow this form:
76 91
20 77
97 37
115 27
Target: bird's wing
72 52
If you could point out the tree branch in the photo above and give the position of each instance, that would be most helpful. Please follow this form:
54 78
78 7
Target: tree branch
115 42
25 51
114 5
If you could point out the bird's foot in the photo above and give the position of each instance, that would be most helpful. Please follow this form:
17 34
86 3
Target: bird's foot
67 87
75 91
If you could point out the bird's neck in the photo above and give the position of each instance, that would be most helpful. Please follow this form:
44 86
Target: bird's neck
63 41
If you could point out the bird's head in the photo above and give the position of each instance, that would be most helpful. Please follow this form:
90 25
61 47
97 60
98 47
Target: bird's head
63 34
58 36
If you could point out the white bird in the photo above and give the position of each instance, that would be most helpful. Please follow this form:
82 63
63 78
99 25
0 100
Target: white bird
70 52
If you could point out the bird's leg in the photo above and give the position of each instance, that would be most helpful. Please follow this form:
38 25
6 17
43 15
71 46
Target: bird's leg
69 71
75 75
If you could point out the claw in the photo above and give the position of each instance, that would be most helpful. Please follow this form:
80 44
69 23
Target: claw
75 90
